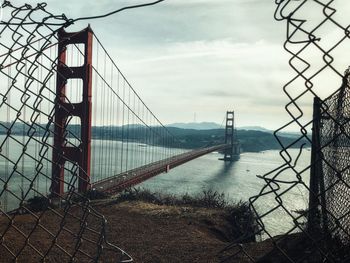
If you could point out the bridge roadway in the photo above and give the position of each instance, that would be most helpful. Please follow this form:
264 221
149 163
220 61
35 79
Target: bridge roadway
127 179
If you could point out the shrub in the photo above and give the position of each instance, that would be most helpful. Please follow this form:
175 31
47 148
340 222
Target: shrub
243 222
211 199
134 194
95 194
38 203
207 198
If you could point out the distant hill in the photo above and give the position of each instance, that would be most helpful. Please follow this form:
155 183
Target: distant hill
212 126
254 128
196 125
262 129
251 140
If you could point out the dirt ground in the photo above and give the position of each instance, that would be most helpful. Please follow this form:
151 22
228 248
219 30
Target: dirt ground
148 232
167 234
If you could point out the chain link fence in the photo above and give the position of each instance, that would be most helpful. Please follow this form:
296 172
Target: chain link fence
335 143
36 225
318 93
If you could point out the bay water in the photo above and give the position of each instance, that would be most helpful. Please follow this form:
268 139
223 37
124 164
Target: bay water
277 203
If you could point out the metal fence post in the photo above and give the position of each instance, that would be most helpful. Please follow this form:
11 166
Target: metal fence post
315 170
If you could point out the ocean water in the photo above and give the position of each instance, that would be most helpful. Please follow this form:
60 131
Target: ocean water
239 180
25 164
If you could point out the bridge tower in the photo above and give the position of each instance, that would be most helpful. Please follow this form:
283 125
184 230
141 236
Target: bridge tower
80 155
231 153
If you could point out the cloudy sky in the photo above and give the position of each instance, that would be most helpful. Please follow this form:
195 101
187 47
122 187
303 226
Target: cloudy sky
199 56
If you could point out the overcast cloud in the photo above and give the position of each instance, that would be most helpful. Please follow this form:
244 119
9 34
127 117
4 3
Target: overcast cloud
199 56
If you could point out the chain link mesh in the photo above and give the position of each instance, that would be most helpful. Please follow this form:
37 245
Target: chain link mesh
317 40
36 226
318 230
334 137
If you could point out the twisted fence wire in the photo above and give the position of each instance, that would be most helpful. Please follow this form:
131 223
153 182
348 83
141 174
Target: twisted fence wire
39 231
317 41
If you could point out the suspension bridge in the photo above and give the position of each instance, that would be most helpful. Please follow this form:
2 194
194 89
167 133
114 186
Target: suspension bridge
70 122
73 123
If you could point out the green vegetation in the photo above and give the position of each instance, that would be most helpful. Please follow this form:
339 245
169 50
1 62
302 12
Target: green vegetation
207 199
250 140
38 203
93 195
256 141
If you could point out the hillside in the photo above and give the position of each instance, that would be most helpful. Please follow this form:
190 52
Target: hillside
251 140
196 125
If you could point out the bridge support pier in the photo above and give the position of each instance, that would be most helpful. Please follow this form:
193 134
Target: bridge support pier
232 153
63 152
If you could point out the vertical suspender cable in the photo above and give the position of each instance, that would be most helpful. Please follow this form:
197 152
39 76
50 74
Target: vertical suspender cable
114 120
7 144
48 110
24 97
123 114
105 119
117 114
134 133
95 122
37 146
110 133
139 135
127 133
111 139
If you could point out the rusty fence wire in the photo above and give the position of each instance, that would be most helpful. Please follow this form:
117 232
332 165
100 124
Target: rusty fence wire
316 229
36 225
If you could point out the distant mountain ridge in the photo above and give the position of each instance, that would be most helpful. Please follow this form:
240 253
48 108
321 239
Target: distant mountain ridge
212 126
254 128
202 126
196 125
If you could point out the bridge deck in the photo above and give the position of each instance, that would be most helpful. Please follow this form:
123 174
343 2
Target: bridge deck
127 179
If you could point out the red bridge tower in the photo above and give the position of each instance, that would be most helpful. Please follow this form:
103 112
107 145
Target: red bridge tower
64 110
